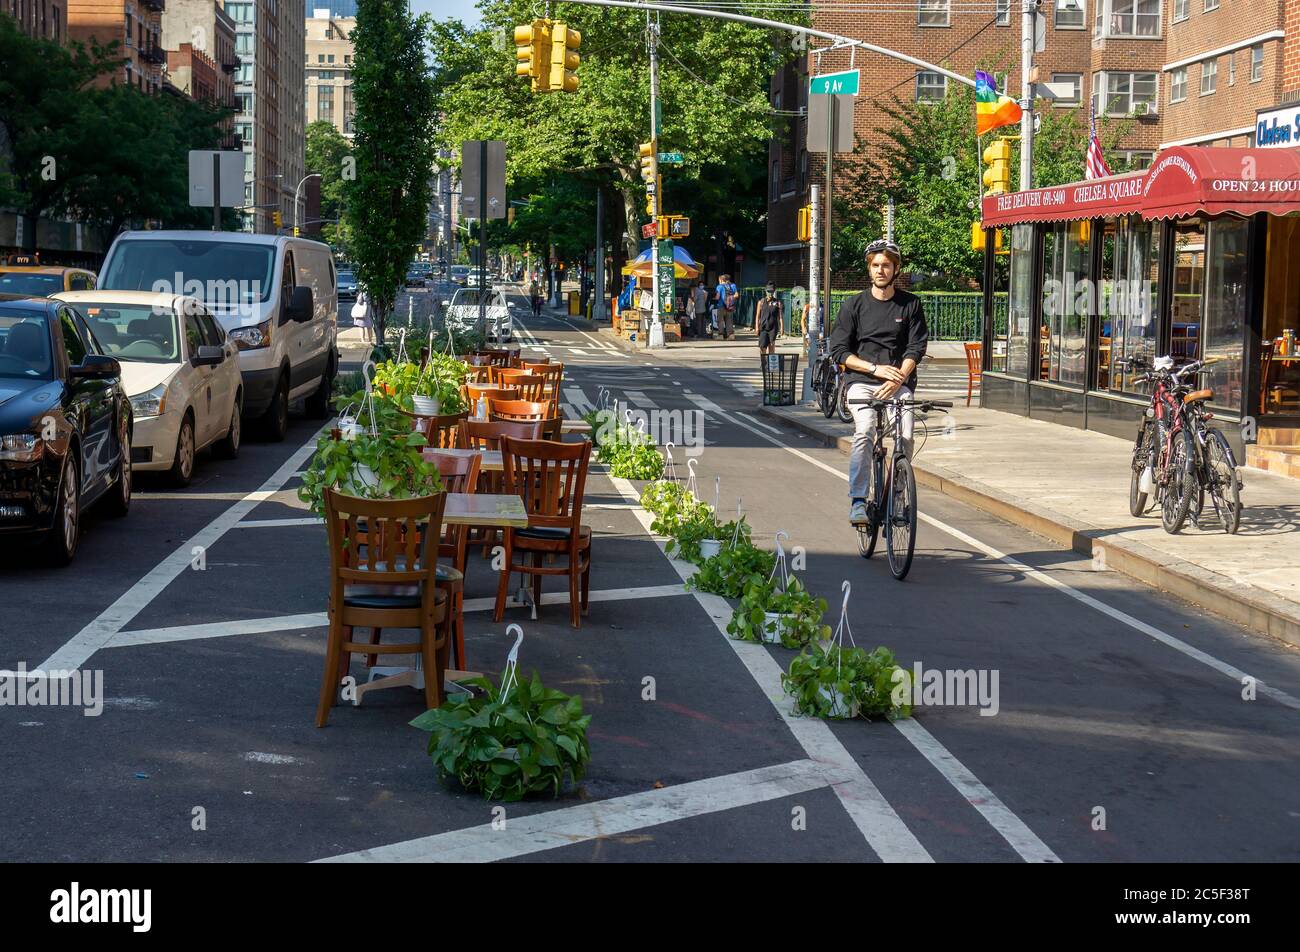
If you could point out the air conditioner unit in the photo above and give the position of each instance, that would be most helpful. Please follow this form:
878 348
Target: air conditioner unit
1144 109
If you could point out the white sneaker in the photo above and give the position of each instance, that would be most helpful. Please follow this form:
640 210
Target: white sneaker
858 513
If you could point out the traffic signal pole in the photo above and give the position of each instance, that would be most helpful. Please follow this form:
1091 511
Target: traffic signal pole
656 338
1027 30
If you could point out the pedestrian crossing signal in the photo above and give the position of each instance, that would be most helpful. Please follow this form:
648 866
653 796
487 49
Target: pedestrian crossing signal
805 223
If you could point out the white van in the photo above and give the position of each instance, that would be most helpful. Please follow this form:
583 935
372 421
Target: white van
275 296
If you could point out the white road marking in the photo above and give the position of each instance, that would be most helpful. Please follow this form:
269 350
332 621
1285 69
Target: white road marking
1065 588
78 650
578 400
278 523
638 398
770 429
568 826
886 833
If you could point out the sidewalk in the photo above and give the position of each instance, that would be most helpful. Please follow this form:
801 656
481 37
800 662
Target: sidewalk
1071 486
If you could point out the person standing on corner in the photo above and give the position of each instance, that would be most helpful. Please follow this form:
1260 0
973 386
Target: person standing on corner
880 336
700 295
768 320
728 296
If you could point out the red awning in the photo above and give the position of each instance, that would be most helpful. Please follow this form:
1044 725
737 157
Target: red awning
1182 181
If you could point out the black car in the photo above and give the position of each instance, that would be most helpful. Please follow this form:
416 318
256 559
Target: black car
65 426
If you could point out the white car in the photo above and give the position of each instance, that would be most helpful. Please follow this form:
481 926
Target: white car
179 370
462 313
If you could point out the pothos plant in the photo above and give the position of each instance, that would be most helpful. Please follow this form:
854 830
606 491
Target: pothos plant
441 377
673 507
629 453
508 744
830 680
800 622
734 567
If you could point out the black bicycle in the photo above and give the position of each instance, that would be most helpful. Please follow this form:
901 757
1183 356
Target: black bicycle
892 503
831 388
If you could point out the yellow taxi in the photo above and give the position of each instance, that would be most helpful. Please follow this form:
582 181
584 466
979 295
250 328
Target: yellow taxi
24 274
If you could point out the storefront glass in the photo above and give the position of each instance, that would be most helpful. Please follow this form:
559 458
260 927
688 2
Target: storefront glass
1066 282
1279 371
1130 262
1225 309
1021 304
1189 286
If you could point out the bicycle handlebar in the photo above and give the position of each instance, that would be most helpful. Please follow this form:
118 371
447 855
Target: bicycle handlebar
898 401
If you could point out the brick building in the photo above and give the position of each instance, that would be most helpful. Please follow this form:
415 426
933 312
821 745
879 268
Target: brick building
40 19
199 38
136 25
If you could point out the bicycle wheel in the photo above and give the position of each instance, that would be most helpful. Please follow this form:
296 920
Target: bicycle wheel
1182 483
825 392
1221 468
842 402
868 534
900 518
1137 500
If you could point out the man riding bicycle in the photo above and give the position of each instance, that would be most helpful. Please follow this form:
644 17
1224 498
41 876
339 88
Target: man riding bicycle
879 337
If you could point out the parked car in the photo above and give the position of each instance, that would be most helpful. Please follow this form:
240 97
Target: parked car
347 286
25 276
459 273
473 276
462 312
273 294
416 278
65 426
179 371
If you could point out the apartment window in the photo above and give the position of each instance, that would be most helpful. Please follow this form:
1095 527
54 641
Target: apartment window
349 111
347 60
1209 76
330 58
244 130
776 180
1128 17
1004 13
1180 10
240 12
1178 85
244 74
1070 15
1232 69
1256 63
244 43
932 12
1125 93
245 103
1134 158
931 87
325 103
130 22
1077 80
320 57
1211 5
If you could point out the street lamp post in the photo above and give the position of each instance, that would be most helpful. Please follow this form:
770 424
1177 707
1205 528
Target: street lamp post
312 175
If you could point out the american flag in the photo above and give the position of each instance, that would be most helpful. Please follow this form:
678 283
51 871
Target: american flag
1095 166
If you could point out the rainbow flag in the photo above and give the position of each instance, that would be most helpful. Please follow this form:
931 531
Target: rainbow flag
992 111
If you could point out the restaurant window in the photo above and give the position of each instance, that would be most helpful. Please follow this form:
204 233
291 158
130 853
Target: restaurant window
1209 77
932 13
1189 289
1225 309
1070 15
1279 376
1256 63
1066 299
931 87
1178 84
1020 303
1127 303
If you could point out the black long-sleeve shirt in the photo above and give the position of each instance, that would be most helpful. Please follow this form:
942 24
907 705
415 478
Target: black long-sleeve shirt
880 332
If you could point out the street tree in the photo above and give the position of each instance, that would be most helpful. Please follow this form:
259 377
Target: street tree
328 155
388 200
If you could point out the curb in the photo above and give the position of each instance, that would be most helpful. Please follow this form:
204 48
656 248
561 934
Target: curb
1234 601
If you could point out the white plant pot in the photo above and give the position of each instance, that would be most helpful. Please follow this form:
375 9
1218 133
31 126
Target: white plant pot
349 428
709 548
775 624
839 705
363 478
425 406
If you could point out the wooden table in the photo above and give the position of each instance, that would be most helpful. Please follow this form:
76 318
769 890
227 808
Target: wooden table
462 509
491 458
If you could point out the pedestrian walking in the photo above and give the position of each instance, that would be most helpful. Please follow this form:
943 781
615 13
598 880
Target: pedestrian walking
769 314
361 317
700 295
728 297
535 297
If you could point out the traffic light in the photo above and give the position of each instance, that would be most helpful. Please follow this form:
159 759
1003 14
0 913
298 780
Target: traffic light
805 223
997 177
564 62
277 219
649 160
532 49
977 241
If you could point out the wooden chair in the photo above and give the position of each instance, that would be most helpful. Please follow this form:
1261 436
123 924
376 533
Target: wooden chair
485 434
531 386
444 432
496 358
475 392
460 474
479 373
383 576
554 374
550 478
529 411
974 367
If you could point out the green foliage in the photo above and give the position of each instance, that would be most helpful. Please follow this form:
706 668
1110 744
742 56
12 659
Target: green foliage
509 744
728 572
441 377
629 453
394 148
802 613
827 680
327 152
673 507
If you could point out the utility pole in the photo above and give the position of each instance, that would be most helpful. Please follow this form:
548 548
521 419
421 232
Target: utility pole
1028 27
832 111
656 323
814 291
599 310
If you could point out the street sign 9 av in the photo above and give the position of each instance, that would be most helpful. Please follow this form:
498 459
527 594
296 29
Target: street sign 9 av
835 84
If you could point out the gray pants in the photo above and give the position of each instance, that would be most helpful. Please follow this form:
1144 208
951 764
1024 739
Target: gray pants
864 434
726 316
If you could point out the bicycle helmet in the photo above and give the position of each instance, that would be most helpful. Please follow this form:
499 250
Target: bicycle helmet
884 245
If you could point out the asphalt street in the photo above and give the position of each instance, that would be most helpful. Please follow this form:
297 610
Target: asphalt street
1120 733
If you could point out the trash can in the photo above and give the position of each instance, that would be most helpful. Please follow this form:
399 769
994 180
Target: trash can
780 371
575 305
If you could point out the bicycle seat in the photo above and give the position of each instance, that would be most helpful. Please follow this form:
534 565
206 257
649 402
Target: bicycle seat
1196 395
